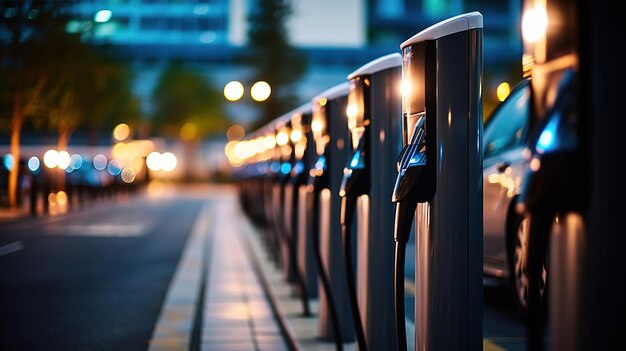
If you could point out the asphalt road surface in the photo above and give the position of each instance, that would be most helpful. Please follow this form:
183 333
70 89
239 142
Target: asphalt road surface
94 279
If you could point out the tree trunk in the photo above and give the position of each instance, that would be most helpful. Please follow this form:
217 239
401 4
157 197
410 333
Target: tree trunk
64 137
17 117
15 170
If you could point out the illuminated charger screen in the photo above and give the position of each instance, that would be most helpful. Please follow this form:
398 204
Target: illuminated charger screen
413 87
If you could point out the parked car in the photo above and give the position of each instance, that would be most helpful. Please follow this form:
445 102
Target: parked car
505 230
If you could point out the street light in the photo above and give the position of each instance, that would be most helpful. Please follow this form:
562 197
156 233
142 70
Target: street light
260 91
121 132
233 90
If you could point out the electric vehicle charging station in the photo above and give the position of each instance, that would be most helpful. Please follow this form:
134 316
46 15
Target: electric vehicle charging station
296 179
272 190
331 142
283 130
304 151
439 184
555 190
374 110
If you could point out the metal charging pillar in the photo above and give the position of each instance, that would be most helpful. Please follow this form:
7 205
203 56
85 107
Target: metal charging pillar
577 115
553 192
331 137
374 120
304 148
285 194
441 73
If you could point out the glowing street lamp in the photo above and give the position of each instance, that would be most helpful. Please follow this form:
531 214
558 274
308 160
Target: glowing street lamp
121 132
260 91
233 90
534 24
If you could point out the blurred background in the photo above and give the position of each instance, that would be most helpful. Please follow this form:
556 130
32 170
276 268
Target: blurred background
157 88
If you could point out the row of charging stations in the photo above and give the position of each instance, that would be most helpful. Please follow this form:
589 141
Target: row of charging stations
394 151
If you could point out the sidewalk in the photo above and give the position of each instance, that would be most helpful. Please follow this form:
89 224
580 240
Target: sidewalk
248 303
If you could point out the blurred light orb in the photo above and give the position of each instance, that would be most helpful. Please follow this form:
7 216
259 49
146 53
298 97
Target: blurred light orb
52 199
61 198
51 158
128 175
114 168
121 132
295 135
188 131
63 159
282 138
100 162
78 161
8 161
235 132
154 161
233 90
168 161
102 16
34 164
317 126
208 37
503 90
534 24
260 91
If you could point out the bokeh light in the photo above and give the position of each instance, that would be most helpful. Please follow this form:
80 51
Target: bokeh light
128 175
534 24
188 131
34 164
61 198
63 159
168 161
233 90
282 138
503 90
102 16
8 161
260 91
100 162
78 161
114 167
235 132
153 161
121 132
51 158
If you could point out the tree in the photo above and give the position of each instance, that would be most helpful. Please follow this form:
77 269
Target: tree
272 57
92 93
29 31
182 97
187 106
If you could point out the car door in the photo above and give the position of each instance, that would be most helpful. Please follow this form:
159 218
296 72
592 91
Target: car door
503 166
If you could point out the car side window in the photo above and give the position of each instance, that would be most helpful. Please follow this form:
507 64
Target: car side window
508 124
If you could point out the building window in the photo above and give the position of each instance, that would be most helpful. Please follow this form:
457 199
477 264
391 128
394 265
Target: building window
390 9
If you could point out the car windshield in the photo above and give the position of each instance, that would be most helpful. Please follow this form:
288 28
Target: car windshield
507 125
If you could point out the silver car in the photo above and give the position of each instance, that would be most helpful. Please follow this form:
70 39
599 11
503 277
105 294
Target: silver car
505 230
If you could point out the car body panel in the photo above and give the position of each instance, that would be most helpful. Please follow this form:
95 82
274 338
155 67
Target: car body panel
504 164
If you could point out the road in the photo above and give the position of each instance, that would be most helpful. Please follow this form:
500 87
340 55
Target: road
94 279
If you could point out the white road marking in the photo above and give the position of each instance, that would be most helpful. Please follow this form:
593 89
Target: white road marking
103 229
10 248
